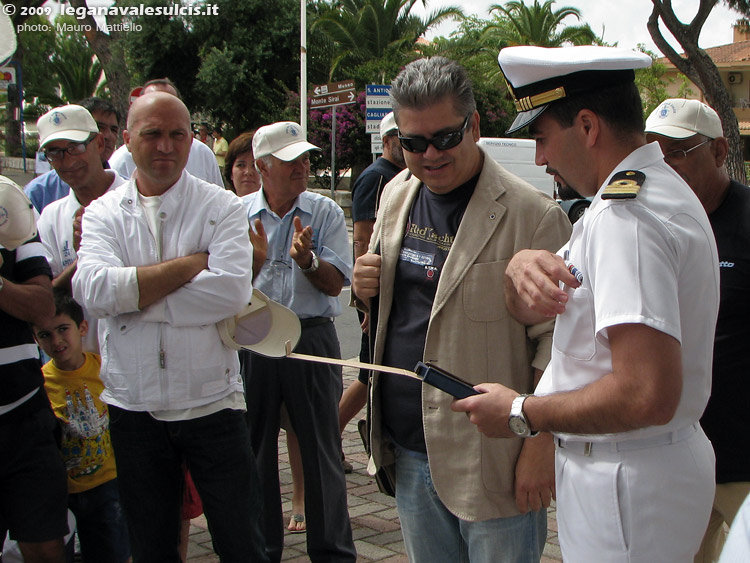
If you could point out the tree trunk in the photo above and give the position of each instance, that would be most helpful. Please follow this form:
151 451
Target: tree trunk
701 70
108 51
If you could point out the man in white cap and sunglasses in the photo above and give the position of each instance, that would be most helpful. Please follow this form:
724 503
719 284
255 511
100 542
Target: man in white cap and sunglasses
307 263
635 292
692 139
444 232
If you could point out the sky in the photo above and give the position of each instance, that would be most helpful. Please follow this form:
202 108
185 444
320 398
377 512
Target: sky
623 21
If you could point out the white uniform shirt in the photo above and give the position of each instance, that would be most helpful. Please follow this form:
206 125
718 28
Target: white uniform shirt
650 260
56 233
201 163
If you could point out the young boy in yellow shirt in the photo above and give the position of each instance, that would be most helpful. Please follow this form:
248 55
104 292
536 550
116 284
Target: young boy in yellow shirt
72 381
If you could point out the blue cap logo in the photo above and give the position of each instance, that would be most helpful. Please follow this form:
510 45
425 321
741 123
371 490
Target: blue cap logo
664 110
292 130
57 117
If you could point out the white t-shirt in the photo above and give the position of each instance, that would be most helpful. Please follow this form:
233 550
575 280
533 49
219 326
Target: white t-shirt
201 163
651 260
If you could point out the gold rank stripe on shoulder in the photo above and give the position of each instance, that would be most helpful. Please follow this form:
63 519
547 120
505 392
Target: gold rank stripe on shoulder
624 185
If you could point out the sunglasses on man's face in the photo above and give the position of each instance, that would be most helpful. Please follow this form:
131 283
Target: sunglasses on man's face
440 142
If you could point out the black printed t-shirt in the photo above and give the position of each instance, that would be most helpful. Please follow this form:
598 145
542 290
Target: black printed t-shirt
727 417
433 223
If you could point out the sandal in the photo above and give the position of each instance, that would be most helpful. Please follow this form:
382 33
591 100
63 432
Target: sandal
297 524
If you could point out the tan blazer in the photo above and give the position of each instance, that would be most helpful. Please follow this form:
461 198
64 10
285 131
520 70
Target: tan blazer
470 332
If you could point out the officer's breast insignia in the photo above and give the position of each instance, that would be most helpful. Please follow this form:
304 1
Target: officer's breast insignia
624 185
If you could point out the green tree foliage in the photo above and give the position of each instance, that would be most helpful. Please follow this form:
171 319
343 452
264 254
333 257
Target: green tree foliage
58 65
537 24
366 31
234 66
35 50
73 63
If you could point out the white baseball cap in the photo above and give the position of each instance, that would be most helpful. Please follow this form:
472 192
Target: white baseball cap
678 118
539 76
66 123
264 327
388 125
17 220
283 140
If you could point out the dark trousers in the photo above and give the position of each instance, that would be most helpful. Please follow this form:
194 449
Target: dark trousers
311 393
217 451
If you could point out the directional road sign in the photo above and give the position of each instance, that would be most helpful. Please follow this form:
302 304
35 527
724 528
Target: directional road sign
337 99
333 94
379 105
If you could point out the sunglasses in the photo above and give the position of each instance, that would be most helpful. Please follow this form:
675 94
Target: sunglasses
440 142
72 149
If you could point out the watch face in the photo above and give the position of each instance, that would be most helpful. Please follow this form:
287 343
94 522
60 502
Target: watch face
517 425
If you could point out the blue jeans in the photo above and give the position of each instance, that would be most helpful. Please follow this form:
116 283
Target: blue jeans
217 451
433 534
100 523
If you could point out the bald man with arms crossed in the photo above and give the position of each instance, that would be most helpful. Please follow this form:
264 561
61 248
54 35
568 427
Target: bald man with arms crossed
162 259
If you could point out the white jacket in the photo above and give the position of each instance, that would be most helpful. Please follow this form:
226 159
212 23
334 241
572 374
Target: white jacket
170 355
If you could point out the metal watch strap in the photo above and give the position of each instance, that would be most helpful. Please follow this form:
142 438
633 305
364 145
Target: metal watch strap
314 264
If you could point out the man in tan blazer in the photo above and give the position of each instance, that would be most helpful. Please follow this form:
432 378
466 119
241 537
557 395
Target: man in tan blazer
445 230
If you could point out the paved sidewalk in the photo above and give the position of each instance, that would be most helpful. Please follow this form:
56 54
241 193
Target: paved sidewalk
375 524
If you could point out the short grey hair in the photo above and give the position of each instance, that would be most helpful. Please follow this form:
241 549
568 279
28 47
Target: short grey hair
426 82
267 160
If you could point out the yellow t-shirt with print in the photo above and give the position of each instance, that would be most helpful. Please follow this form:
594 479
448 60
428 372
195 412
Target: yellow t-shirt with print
86 445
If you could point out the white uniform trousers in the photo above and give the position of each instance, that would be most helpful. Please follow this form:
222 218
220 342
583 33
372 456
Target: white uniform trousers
637 501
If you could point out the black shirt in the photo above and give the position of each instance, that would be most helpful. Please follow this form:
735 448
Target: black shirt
726 420
20 368
433 223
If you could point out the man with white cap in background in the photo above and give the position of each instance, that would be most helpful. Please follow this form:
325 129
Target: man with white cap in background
50 187
33 479
164 258
71 140
636 293
691 137
307 263
365 197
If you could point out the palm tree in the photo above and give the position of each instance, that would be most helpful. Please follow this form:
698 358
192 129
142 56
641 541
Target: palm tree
537 24
363 31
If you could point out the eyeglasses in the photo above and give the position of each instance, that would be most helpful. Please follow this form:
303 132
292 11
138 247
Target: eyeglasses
440 142
679 155
72 149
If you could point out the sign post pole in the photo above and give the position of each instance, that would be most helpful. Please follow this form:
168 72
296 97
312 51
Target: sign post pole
333 153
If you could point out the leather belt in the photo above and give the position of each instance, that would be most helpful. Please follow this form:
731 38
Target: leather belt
315 321
590 448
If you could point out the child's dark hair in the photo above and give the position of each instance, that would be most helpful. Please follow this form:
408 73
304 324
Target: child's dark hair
66 305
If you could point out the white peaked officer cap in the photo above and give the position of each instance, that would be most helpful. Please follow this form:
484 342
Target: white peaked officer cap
539 76
17 219
264 327
678 118
284 140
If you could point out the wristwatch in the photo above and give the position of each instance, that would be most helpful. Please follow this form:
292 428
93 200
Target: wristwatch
314 265
517 421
